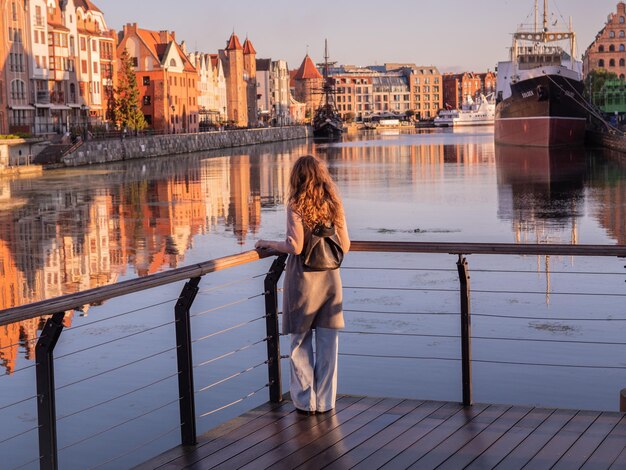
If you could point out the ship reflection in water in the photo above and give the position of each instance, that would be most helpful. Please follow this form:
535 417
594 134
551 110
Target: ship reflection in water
541 191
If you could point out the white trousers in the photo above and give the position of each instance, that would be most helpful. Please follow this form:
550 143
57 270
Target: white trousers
314 379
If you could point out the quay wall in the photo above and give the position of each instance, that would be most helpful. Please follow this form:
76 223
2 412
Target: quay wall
131 148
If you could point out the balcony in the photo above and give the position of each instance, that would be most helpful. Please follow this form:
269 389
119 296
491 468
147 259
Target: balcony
42 97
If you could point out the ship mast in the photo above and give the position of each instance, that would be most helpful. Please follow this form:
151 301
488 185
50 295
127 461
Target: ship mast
536 16
545 16
326 84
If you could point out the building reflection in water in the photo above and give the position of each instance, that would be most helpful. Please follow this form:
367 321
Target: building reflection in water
81 229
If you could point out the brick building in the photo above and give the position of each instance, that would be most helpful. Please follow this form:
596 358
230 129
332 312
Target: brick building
308 83
457 87
608 49
239 64
166 79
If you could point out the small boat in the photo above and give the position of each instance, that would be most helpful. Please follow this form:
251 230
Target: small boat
539 99
327 122
472 113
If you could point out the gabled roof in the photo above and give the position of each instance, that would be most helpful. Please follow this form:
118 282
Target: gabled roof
87 5
159 49
248 48
263 65
233 43
307 70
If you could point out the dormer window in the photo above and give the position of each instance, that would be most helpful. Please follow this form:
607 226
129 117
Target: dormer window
172 62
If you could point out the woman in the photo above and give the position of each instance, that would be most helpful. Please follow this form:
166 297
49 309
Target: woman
312 300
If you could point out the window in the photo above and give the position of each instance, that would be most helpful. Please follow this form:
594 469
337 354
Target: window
601 49
146 81
94 46
622 62
134 61
601 63
172 62
621 48
611 48
95 67
83 66
611 34
83 44
612 63
147 100
621 76
621 34
621 20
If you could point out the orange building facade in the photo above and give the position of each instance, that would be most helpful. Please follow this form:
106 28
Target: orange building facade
608 49
166 79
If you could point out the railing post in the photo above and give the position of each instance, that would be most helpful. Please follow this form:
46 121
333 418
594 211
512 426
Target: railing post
46 409
466 330
271 324
185 362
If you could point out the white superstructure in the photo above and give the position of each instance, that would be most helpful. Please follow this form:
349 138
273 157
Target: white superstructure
479 113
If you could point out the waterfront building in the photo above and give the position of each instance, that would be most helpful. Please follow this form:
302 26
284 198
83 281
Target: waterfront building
56 66
273 92
166 79
239 64
393 89
308 83
212 101
457 87
608 49
611 98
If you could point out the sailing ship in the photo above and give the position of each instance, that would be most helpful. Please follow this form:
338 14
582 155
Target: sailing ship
472 113
539 98
327 121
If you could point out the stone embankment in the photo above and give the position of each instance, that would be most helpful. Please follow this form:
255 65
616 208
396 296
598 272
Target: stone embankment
130 148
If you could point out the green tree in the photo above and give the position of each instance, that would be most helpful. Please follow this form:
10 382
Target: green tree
594 82
128 113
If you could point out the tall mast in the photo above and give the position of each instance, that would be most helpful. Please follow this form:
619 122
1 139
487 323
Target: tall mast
536 16
326 70
545 16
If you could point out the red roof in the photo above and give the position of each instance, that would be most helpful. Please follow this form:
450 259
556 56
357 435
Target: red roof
152 40
233 43
248 48
307 70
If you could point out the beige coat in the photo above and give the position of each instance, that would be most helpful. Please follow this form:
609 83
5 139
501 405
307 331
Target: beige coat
310 298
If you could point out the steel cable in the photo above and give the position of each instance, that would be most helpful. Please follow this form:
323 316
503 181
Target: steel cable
99 433
479 270
576 366
515 317
419 335
399 313
115 340
118 397
19 344
234 402
28 463
78 327
420 289
230 377
17 402
232 283
401 357
19 434
228 354
230 304
115 368
19 370
239 325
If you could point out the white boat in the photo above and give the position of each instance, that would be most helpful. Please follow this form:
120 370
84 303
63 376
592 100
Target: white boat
472 113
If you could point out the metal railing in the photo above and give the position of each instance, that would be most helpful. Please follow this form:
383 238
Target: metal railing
55 308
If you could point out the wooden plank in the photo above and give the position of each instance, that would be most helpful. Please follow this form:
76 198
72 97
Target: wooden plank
410 436
589 441
224 428
609 450
327 441
315 432
479 444
356 438
383 438
426 457
240 432
505 444
536 440
273 435
561 442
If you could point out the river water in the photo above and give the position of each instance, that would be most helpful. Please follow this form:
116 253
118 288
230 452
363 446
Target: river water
539 339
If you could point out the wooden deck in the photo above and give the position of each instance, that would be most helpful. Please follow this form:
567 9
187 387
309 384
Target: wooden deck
369 433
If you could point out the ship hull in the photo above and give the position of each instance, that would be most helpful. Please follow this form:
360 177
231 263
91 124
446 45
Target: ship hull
542 112
328 130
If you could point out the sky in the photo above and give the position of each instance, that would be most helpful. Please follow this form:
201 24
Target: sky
454 35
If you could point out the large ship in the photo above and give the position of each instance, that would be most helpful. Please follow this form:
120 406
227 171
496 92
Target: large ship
539 98
327 122
472 113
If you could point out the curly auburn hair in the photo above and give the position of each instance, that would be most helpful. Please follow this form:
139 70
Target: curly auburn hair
313 194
